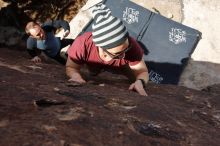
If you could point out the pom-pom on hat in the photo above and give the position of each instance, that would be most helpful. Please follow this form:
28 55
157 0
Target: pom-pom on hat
107 31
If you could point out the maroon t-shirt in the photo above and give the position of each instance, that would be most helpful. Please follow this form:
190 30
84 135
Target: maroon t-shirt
84 51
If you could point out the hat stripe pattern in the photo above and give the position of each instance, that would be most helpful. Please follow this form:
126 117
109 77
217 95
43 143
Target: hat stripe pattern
108 31
102 22
115 23
117 30
113 41
101 14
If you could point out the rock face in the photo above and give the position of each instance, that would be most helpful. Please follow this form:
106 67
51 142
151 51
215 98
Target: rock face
10 36
204 67
39 107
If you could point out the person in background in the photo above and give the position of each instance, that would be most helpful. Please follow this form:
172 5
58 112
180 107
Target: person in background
42 40
110 48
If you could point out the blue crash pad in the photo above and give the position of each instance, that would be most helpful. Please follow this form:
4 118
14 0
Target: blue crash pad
167 44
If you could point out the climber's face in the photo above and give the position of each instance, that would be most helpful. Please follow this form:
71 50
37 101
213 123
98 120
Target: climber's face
37 32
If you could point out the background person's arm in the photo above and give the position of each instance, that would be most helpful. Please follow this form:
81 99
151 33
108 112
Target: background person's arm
33 51
64 24
56 24
61 23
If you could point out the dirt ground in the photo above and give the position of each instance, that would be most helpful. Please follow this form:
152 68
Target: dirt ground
40 108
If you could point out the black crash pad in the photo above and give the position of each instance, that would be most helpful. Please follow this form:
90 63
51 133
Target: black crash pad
167 44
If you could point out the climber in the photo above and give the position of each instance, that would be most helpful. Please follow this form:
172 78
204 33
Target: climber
108 47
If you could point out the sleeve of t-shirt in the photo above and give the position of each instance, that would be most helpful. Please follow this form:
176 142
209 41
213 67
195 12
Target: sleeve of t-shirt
61 23
76 51
31 43
55 25
135 54
31 47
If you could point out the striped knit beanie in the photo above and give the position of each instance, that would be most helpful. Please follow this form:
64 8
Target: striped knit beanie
107 31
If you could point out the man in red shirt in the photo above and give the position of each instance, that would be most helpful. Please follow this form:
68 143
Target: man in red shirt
108 46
